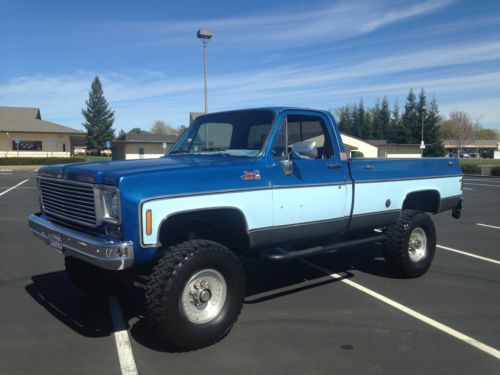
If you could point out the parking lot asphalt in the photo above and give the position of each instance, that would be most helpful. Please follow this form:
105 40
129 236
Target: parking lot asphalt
300 317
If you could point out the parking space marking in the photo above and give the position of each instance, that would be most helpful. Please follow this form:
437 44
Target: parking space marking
483 179
488 226
468 254
122 340
13 187
471 183
467 189
415 314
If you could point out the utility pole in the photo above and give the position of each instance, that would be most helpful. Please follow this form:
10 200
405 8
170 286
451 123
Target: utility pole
205 35
422 143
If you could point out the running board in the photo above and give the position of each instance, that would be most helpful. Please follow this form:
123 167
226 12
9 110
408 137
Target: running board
282 254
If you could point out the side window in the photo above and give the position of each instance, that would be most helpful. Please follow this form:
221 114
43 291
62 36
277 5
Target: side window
304 128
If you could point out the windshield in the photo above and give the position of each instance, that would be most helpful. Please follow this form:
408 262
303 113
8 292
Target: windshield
238 133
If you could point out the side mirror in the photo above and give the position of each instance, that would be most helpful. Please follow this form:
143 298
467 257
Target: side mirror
287 167
305 149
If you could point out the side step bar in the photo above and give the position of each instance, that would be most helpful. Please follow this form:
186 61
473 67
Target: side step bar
281 254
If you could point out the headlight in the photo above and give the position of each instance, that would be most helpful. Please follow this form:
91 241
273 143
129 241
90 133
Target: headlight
110 205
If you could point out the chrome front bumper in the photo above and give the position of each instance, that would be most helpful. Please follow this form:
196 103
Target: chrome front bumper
111 255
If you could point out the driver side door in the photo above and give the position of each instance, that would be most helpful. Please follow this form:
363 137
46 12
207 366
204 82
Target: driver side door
311 201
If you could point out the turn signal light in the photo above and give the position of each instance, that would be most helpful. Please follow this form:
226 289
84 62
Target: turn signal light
149 222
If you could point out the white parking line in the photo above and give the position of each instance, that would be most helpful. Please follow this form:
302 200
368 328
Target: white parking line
488 226
415 314
468 254
467 189
489 179
470 183
13 187
122 340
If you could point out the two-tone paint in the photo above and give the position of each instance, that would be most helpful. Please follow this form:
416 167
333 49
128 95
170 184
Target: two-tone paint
322 196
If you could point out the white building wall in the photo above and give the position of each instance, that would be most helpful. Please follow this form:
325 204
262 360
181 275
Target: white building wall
48 150
368 150
151 151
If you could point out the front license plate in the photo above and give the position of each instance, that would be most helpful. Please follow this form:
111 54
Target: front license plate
55 240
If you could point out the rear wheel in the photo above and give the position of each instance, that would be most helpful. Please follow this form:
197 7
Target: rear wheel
411 244
92 280
195 294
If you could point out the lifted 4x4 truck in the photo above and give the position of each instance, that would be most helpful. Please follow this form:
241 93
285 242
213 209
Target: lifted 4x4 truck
254 182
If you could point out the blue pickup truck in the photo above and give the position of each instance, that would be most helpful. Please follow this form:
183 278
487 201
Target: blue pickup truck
274 183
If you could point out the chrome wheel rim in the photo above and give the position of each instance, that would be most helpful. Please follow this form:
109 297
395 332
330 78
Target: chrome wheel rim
417 246
204 296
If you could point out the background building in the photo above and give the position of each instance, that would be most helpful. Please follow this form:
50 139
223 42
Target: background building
396 150
23 133
380 148
479 148
141 146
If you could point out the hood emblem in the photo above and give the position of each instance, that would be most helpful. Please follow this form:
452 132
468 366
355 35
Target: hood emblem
250 175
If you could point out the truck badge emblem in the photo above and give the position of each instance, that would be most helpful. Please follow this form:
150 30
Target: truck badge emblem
250 175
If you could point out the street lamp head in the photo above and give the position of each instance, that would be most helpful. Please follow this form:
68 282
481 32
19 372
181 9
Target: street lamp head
204 34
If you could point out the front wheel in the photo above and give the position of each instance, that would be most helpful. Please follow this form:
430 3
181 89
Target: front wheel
411 244
195 294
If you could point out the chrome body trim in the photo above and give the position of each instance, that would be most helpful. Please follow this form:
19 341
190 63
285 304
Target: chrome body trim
111 255
359 181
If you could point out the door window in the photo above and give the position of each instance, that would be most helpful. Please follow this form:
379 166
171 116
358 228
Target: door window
303 128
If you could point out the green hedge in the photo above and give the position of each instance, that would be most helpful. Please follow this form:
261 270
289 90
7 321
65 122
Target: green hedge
495 171
357 154
39 161
471 169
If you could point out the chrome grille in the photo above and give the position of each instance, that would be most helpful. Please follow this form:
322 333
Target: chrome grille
68 200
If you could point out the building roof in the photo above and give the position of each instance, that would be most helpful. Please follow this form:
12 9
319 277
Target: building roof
377 142
28 120
348 147
146 138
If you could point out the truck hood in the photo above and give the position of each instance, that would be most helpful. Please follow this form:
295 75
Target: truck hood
110 172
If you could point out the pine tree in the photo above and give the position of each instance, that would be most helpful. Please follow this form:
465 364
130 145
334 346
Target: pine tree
432 134
376 125
410 120
344 117
385 119
99 118
362 121
399 134
121 133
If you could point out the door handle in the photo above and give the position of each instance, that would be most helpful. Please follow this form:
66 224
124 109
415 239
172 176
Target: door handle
333 166
369 166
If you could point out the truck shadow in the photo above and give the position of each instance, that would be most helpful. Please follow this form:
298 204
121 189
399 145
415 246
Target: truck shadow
56 294
266 280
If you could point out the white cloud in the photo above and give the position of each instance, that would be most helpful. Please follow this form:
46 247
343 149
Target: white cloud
141 97
286 27
406 12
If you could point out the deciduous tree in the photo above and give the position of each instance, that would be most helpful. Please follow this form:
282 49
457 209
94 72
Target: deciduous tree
162 128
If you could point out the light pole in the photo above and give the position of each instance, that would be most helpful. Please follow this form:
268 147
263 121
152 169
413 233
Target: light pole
422 143
204 35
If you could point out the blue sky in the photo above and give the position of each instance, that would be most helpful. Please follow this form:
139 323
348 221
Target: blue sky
319 54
